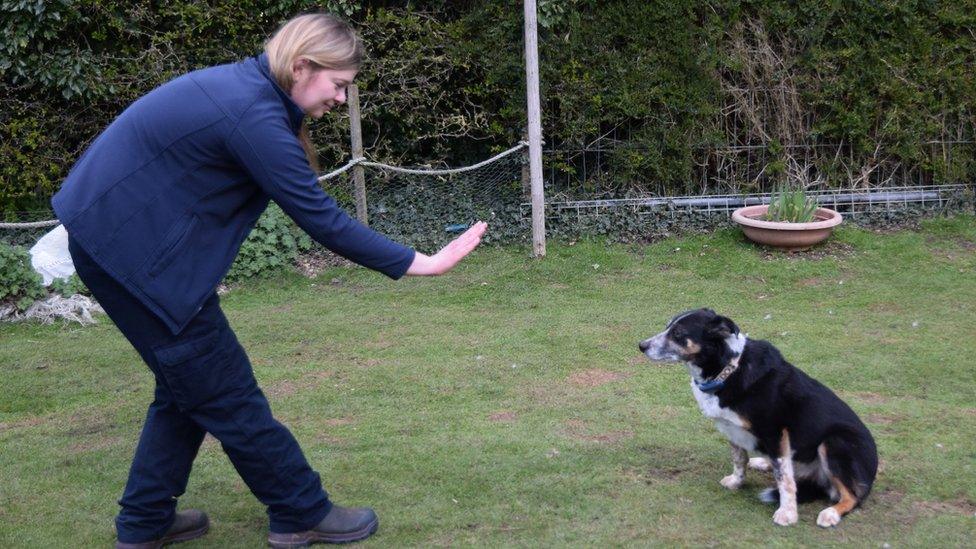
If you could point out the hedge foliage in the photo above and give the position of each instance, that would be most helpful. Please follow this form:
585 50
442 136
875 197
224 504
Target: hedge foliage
444 80
443 84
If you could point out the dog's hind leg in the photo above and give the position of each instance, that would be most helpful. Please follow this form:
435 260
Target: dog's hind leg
831 515
848 491
785 483
739 459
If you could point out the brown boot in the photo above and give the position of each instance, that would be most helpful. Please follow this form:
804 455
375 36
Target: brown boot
341 525
189 524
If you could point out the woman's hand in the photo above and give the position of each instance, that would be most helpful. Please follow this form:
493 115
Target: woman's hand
450 255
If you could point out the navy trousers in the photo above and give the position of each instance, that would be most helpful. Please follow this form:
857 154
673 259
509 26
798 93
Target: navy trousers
204 384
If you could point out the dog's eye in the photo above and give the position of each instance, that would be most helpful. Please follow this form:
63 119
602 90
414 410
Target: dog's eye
678 333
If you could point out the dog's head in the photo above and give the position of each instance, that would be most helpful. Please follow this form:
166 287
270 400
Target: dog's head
706 341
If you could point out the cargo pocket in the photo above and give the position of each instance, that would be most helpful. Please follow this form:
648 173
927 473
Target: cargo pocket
196 369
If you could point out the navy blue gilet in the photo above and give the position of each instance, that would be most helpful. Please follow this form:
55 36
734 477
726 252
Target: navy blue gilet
164 197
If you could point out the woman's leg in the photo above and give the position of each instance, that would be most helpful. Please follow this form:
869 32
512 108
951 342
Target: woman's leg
169 440
204 383
160 470
228 404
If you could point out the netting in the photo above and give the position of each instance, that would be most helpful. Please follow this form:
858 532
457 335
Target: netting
426 207
28 228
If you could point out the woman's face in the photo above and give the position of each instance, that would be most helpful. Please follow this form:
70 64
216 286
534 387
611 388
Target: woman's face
317 91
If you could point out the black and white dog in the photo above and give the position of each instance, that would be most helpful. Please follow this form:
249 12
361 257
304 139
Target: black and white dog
816 444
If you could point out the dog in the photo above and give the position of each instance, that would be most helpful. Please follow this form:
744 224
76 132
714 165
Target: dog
816 445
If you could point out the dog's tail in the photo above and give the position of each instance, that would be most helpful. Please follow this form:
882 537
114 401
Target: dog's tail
806 491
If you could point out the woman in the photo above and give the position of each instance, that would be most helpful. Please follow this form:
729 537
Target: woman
156 210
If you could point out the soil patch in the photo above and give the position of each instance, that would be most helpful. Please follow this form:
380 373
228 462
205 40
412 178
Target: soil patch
316 261
886 307
503 417
637 360
86 446
882 419
958 506
26 422
577 430
866 397
595 377
967 245
829 250
289 387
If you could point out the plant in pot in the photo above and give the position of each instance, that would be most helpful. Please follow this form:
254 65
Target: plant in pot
792 221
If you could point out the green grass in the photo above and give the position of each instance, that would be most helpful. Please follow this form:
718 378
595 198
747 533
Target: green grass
506 404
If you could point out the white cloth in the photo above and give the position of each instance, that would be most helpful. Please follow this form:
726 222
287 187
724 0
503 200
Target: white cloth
50 257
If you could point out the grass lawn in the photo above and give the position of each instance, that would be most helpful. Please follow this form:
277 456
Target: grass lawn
506 404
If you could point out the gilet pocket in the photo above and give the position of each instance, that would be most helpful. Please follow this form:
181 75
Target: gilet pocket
175 242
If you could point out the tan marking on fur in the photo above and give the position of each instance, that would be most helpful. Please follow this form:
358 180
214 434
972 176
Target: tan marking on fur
825 470
847 499
785 483
691 348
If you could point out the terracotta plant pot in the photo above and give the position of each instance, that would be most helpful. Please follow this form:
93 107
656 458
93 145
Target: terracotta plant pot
787 236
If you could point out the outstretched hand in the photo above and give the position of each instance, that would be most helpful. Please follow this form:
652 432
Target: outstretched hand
450 255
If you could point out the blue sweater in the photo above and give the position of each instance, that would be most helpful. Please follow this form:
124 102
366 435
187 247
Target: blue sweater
165 196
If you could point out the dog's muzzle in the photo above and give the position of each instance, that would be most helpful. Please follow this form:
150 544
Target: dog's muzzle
658 348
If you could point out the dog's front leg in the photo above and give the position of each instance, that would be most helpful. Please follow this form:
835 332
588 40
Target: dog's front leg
785 483
739 459
759 464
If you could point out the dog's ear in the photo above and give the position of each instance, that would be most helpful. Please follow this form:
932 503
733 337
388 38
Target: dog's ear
721 327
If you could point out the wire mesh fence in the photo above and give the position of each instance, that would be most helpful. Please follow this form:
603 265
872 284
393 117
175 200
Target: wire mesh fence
596 171
852 203
427 206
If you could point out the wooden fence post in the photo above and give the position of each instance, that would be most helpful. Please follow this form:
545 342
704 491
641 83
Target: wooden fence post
356 136
535 129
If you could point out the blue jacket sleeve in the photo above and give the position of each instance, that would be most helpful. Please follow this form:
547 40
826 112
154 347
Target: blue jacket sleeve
271 154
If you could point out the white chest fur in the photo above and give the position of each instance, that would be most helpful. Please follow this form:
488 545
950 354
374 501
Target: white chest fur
726 421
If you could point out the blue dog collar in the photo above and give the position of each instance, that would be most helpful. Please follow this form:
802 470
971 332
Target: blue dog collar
710 386
716 383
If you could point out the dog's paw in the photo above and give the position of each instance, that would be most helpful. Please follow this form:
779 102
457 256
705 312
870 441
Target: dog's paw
785 517
732 482
828 517
759 464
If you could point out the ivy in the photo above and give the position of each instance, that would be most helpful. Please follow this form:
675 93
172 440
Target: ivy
272 246
69 286
20 285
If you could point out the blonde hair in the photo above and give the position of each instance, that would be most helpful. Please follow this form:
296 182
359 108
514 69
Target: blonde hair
325 41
